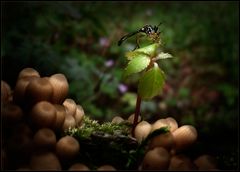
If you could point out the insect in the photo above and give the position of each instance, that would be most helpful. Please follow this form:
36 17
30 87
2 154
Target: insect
149 30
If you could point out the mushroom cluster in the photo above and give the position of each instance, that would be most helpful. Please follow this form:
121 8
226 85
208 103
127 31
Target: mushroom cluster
37 111
165 151
34 116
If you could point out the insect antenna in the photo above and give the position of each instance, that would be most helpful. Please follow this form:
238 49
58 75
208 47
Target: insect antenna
156 27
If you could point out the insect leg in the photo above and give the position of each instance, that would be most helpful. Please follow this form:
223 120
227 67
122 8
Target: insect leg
137 43
126 37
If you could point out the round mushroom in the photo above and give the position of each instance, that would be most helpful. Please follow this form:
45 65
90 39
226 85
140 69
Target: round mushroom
106 168
45 161
28 72
183 137
60 87
43 114
156 159
67 147
182 163
38 90
45 138
163 140
159 124
6 93
20 89
11 113
69 122
117 120
60 116
78 116
172 123
78 167
142 130
70 106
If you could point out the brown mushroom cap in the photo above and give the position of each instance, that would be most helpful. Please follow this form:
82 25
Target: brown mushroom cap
159 123
45 161
11 113
70 106
67 147
106 168
44 138
78 167
69 122
78 116
163 140
181 162
43 114
20 89
60 116
142 130
184 136
28 72
60 87
6 93
117 120
156 159
172 123
38 90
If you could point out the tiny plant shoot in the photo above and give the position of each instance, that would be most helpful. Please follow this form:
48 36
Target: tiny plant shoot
144 60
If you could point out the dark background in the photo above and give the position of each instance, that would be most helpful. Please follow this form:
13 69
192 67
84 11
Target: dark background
79 39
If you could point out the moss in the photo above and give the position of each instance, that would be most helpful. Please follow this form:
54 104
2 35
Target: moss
89 127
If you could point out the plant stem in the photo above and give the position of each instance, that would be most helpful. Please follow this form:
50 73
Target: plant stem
138 104
137 113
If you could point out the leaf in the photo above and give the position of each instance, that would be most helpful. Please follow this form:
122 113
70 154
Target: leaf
151 83
164 56
150 49
132 54
145 51
136 65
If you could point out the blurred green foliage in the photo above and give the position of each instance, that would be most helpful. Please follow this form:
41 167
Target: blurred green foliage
79 39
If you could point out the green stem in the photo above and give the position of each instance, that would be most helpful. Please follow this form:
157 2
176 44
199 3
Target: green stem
136 114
